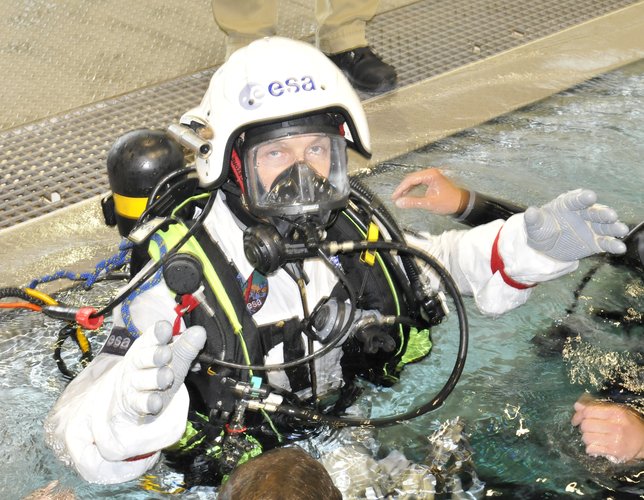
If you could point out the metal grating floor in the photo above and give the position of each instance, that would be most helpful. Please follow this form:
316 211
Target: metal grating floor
59 161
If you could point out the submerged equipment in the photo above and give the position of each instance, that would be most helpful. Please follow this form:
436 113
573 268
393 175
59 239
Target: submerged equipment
78 318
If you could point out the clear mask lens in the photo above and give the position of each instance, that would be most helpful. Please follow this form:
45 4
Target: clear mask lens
297 175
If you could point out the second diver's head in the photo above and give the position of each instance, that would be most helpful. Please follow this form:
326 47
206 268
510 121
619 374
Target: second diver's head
278 117
282 473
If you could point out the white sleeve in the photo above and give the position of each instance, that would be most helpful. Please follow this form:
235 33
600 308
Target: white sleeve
467 257
85 428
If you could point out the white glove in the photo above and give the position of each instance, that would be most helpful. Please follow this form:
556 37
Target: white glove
572 227
154 369
149 404
120 409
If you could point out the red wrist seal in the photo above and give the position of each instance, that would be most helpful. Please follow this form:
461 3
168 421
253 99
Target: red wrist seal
140 457
496 264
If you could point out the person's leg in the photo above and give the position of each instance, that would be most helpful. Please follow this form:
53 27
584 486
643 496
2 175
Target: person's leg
341 34
244 20
342 23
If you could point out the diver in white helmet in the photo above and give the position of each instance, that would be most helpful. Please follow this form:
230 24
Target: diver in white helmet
284 314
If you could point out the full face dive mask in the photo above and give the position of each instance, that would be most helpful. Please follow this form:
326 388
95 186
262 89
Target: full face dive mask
298 178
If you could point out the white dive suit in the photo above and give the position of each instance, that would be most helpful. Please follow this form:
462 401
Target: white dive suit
87 427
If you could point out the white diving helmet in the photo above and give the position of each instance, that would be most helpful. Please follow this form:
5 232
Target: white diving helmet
271 81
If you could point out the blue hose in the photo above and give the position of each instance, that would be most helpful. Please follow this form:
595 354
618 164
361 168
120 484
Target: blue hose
105 266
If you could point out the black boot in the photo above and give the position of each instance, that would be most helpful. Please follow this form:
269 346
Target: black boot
365 70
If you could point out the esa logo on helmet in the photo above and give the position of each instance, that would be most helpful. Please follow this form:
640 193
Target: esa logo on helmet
253 94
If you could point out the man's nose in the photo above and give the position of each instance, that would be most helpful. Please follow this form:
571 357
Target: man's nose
300 156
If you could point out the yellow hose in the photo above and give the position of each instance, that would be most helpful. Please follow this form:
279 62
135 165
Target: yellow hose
41 296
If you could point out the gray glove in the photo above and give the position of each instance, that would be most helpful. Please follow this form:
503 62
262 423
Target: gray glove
154 368
572 227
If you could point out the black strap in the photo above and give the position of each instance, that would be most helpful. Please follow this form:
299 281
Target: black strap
289 334
482 209
275 333
298 376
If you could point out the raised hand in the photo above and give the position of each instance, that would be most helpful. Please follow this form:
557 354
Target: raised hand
154 368
441 195
573 226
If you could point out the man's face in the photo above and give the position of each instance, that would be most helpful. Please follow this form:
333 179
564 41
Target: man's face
290 176
273 157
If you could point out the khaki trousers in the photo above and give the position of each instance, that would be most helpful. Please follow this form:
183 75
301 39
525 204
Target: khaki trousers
340 23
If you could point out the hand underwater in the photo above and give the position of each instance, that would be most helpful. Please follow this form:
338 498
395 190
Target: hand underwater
441 196
155 368
609 430
573 226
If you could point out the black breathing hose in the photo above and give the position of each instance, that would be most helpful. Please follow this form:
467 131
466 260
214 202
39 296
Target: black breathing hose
451 288
394 266
439 398
157 265
209 359
369 199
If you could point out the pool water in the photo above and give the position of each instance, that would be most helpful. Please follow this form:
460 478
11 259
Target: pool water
516 394
516 377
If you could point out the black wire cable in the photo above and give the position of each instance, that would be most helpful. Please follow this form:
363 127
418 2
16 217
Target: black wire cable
155 200
65 332
448 387
157 265
164 181
208 359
